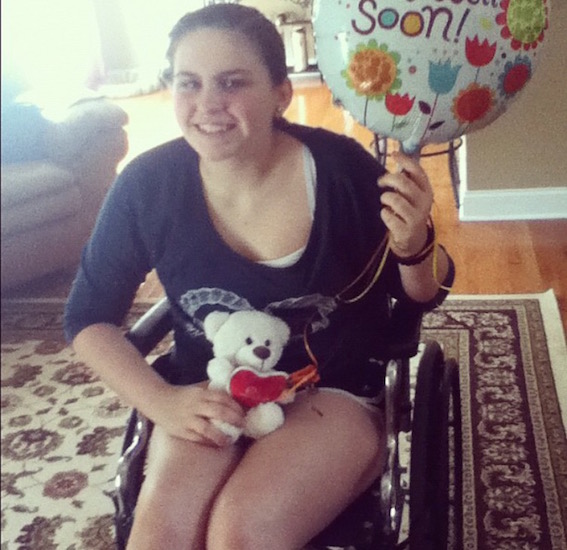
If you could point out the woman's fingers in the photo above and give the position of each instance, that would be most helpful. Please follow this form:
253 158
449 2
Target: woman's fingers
413 169
191 410
205 432
407 199
220 406
407 193
410 181
401 185
399 206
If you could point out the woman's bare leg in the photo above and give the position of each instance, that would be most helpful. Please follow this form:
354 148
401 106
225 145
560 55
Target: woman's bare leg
292 483
182 480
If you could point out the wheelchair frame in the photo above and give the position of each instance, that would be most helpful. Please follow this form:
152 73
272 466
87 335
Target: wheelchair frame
373 521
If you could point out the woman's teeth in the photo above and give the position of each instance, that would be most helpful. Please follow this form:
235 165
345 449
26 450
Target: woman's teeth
213 128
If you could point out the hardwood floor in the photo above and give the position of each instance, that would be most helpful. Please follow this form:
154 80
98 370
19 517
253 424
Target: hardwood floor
492 258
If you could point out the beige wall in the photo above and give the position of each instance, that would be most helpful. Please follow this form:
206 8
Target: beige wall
527 146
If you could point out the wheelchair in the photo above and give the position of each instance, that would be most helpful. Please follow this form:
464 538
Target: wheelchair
432 417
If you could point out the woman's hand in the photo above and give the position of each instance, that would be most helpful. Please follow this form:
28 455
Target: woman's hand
182 411
407 201
186 412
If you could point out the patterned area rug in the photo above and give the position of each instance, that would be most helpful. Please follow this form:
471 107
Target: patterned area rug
62 430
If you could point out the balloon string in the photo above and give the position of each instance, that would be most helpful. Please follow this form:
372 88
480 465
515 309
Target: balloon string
306 343
436 247
385 244
310 374
307 376
303 377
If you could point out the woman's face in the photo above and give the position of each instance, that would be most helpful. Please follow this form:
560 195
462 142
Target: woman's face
223 97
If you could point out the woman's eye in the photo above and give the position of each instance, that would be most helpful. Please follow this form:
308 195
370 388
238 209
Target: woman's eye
186 85
231 84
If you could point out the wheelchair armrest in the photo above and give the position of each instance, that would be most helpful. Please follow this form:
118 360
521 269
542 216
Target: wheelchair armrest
404 331
152 327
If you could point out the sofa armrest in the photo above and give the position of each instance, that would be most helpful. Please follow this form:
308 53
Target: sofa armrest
91 132
90 141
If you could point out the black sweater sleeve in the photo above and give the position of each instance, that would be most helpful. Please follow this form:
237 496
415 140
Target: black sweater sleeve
114 262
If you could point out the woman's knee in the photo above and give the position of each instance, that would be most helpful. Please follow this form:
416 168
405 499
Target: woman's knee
240 520
158 522
230 524
182 480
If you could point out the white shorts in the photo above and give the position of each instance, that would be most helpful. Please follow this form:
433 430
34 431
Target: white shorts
370 403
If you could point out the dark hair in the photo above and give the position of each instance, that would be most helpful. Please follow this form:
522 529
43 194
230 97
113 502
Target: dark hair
251 23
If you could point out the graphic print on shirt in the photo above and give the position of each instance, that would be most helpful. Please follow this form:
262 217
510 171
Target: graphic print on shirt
313 310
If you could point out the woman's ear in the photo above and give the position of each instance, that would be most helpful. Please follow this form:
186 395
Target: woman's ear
285 94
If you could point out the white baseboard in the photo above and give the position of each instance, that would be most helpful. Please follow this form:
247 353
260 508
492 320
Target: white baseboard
544 203
538 203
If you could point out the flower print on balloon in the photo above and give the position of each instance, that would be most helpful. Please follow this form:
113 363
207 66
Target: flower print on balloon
523 22
423 71
372 72
479 54
473 103
399 105
442 78
515 76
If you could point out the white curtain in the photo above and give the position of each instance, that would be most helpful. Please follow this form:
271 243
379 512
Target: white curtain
134 38
115 46
62 46
52 45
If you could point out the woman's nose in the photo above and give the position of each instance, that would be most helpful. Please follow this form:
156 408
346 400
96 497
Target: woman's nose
210 100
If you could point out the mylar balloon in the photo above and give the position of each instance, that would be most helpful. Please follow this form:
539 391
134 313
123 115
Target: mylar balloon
427 71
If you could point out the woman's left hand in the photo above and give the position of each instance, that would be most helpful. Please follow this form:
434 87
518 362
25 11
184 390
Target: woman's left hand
407 200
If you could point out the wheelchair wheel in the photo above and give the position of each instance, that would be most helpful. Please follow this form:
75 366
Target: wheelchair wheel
455 455
130 476
435 438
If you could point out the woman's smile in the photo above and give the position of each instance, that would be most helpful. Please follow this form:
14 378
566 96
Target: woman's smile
214 129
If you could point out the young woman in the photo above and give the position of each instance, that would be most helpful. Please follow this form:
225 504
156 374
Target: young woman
247 211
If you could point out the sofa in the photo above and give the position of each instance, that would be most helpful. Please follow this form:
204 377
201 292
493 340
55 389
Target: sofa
55 174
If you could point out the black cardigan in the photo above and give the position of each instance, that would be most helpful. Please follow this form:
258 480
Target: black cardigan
155 216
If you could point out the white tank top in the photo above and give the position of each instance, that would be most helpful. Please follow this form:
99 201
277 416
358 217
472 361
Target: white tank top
311 183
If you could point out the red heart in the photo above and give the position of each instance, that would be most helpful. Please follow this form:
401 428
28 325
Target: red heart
251 388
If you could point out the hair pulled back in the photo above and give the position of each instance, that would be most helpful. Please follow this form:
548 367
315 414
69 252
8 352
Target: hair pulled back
250 22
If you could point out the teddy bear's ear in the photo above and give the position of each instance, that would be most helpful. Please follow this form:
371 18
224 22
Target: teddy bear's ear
283 330
213 322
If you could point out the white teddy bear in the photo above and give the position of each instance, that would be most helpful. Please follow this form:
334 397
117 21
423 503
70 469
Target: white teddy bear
247 346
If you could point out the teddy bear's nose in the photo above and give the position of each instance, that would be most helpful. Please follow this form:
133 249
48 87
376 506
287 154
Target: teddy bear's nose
262 352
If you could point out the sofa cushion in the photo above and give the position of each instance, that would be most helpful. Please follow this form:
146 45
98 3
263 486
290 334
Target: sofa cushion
39 251
34 194
44 210
23 133
26 181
